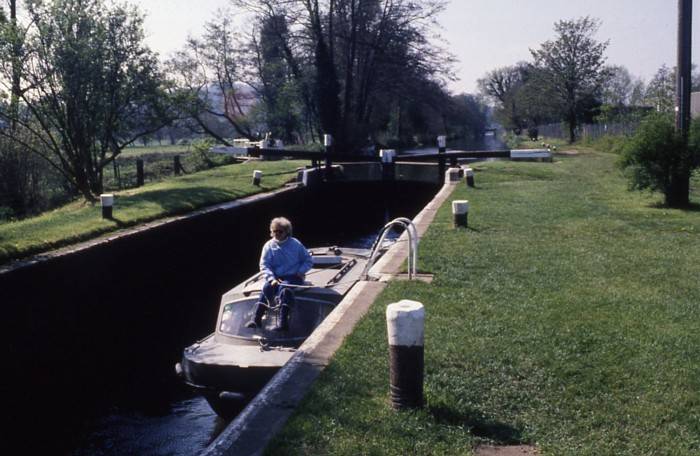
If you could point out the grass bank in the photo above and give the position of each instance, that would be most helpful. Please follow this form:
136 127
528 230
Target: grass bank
567 316
80 221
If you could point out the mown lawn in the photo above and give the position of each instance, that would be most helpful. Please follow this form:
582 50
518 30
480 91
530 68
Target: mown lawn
79 221
567 316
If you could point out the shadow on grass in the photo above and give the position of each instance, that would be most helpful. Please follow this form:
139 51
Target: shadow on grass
497 432
692 207
468 228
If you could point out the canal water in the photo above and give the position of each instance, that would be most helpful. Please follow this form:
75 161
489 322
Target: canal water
92 338
490 141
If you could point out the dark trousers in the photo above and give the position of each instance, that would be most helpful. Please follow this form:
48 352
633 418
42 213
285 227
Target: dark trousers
284 294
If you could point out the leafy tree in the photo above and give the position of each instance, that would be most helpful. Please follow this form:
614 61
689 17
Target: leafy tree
573 66
661 90
637 93
209 86
503 86
279 86
89 87
522 94
356 64
657 158
617 86
467 116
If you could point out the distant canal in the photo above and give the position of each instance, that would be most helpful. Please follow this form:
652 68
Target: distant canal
487 142
93 338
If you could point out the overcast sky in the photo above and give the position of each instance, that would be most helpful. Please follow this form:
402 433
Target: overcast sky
485 34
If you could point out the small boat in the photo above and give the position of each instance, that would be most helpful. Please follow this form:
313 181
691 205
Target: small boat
230 366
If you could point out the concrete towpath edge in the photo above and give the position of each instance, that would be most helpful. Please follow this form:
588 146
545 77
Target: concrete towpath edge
251 431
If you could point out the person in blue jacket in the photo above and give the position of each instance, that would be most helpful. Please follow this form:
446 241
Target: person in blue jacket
284 261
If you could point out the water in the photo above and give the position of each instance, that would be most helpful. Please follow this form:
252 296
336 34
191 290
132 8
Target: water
93 339
487 142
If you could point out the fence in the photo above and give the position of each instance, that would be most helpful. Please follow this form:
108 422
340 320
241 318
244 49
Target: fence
588 131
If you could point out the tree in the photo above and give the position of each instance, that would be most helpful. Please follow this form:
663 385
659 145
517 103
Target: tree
280 86
661 90
573 65
354 62
89 87
617 86
209 83
637 93
502 86
522 95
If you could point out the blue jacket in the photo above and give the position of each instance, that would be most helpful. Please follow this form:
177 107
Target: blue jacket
288 258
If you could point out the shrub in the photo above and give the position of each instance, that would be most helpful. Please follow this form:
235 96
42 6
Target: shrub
533 133
656 158
614 144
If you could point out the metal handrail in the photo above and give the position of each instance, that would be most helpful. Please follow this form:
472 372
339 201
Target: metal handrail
410 228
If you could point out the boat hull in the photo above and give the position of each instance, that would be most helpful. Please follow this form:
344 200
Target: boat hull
230 366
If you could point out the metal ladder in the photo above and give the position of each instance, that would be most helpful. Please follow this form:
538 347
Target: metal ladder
410 228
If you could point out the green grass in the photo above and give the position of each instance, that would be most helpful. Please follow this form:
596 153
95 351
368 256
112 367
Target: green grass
567 316
79 221
137 150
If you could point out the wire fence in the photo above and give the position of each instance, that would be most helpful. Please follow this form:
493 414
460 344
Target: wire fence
588 131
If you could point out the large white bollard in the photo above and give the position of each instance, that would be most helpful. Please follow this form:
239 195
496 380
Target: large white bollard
405 321
107 201
460 212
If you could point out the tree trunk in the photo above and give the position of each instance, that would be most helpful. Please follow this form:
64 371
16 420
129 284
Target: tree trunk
677 193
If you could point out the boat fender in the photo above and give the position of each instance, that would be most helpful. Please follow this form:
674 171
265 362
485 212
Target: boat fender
178 369
231 396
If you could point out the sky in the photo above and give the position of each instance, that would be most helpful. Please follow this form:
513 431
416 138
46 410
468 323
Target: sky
487 34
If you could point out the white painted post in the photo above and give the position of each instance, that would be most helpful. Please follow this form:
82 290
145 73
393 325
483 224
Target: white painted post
387 155
452 175
107 201
328 143
460 211
405 322
469 176
257 176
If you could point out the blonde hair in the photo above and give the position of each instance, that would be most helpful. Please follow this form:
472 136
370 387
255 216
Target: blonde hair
283 223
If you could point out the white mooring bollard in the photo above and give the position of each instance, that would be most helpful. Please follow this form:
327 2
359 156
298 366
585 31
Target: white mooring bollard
469 176
387 155
452 175
257 176
305 177
405 321
107 201
460 211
